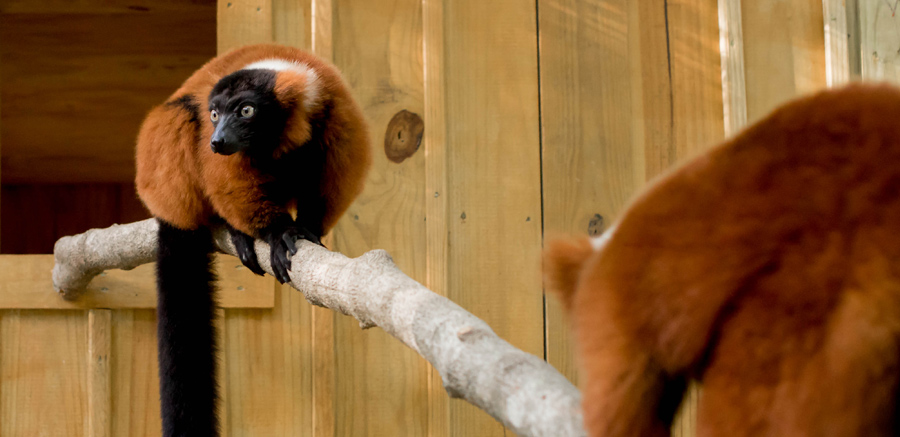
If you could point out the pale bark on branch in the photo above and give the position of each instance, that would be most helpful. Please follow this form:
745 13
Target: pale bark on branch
518 389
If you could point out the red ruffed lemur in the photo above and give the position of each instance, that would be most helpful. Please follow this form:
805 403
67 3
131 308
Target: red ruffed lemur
267 140
767 269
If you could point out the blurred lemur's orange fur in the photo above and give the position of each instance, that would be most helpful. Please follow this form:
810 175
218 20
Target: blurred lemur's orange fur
183 182
768 269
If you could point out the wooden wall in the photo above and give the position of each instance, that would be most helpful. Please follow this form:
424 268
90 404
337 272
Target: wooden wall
539 117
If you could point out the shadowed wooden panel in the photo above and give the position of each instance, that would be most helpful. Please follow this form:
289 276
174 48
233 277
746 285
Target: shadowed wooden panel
105 6
76 87
380 384
38 215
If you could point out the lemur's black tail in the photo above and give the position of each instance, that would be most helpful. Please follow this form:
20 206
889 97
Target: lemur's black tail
185 312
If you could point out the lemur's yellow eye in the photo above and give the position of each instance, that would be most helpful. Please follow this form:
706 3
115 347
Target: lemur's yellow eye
248 111
214 116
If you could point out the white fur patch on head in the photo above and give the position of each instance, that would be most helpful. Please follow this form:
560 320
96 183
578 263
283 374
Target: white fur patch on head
313 88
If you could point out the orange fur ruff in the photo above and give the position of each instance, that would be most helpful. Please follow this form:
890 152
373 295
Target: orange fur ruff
768 269
183 182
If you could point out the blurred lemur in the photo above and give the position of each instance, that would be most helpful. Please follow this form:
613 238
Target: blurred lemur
267 139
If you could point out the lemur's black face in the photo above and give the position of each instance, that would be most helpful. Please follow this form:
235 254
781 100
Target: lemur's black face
245 113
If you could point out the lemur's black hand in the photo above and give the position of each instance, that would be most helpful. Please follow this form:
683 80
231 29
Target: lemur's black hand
282 237
294 234
281 261
243 244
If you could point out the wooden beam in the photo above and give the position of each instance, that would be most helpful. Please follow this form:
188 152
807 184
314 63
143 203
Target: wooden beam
25 284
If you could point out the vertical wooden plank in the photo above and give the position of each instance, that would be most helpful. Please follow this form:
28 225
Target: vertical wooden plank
268 355
42 364
292 22
589 164
242 22
135 374
837 39
267 358
696 75
493 176
222 369
323 319
784 52
601 140
697 110
99 376
731 46
436 194
267 367
878 24
323 398
322 36
381 385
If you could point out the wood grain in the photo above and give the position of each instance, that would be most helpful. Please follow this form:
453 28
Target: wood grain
493 169
380 385
25 284
99 375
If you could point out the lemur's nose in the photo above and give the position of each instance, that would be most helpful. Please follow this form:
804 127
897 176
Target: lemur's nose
217 144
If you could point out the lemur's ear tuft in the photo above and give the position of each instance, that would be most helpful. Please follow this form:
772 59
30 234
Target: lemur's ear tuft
298 90
298 86
564 259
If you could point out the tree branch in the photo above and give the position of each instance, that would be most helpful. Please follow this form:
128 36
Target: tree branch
518 389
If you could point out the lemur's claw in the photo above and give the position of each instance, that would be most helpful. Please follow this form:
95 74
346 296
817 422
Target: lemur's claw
243 244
